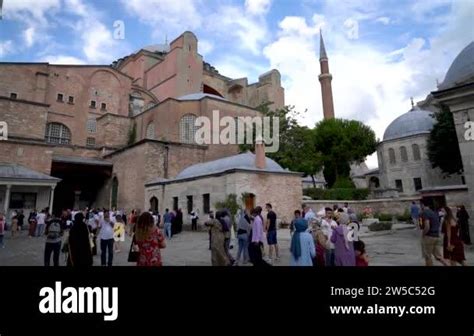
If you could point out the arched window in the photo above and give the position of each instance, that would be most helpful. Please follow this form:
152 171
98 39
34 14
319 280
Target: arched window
150 131
187 128
416 152
404 154
391 156
57 133
114 196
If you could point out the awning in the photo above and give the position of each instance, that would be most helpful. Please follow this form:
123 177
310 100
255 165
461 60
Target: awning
81 160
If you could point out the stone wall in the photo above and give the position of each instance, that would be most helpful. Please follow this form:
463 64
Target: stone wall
386 206
35 157
24 119
262 185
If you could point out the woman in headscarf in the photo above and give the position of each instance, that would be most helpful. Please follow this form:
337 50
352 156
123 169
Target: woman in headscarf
150 241
302 245
80 251
463 220
343 248
218 253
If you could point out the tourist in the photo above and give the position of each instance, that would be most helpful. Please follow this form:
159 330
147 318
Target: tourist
415 213
32 223
179 221
132 220
309 215
302 245
41 223
328 224
119 233
256 242
223 216
346 208
54 234
167 218
362 260
297 215
243 231
343 248
93 224
150 241
352 216
14 222
431 241
21 220
2 229
453 246
194 220
219 256
271 229
322 246
79 247
106 236
463 220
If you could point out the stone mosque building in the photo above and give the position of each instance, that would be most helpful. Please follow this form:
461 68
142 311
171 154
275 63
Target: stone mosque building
404 168
94 135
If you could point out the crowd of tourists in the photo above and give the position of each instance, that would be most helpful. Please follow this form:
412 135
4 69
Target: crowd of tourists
326 238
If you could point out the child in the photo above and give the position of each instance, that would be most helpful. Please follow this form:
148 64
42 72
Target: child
2 229
362 260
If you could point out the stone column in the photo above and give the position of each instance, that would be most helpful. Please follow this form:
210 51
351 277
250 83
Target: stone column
7 199
51 199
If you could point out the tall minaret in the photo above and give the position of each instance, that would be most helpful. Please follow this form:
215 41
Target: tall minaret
325 78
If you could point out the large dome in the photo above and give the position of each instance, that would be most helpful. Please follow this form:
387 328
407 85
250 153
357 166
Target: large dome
414 122
461 70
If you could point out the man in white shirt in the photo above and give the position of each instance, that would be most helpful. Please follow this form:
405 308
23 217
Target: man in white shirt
309 215
106 237
327 225
41 223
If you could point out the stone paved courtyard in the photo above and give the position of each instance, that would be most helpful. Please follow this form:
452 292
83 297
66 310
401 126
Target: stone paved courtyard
398 248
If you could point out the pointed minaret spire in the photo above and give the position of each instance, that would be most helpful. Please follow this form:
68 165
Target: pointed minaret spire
325 79
322 47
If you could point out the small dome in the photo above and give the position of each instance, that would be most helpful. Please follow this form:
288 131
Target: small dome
414 122
241 161
461 70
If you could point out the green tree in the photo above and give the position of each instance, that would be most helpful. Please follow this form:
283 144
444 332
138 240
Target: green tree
340 143
297 151
443 147
132 134
230 203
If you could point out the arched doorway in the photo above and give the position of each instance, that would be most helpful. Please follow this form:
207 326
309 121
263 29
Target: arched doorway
114 196
211 90
154 204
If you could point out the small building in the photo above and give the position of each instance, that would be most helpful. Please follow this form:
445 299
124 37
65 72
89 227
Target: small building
254 178
24 189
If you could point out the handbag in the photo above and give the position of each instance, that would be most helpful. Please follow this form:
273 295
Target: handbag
133 253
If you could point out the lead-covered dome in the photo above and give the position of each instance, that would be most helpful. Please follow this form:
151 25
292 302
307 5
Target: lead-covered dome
414 122
461 70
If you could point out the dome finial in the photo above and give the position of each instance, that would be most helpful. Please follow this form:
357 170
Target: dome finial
412 102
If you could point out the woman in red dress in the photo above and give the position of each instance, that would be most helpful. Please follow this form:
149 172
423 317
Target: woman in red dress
453 247
150 240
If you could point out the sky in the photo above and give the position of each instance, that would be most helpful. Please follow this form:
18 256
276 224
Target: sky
381 52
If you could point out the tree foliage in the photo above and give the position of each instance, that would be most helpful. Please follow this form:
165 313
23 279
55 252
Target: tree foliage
342 142
443 148
297 151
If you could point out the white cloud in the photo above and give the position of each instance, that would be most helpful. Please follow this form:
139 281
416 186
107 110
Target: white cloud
166 16
384 20
23 9
29 36
352 29
258 7
238 67
6 48
97 42
63 59
205 47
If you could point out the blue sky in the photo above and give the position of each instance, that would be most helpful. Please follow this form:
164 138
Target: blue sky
381 52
